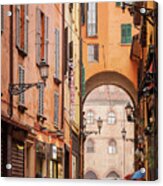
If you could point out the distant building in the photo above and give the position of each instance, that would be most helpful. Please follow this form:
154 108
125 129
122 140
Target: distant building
107 155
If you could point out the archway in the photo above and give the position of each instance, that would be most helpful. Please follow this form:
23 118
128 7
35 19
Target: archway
90 175
110 151
113 176
112 78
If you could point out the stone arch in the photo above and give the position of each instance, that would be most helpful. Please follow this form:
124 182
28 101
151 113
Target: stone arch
113 175
112 78
90 175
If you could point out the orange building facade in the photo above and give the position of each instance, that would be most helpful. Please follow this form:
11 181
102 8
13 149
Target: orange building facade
32 137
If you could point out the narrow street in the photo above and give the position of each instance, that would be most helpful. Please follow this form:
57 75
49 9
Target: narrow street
79 91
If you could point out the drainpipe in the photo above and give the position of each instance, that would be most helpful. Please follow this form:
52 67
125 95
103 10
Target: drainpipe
10 110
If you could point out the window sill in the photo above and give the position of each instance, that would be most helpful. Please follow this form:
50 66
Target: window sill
22 108
57 80
93 36
41 117
92 62
125 44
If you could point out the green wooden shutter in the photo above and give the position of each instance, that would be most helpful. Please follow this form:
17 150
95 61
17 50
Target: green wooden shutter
41 100
118 3
126 33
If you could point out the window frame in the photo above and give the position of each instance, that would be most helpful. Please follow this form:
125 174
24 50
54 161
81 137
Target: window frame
57 54
90 146
111 117
112 147
96 20
22 21
56 109
42 41
91 117
94 53
126 39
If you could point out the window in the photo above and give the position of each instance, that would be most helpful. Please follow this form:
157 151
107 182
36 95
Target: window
56 108
22 28
112 148
2 18
126 33
41 100
41 37
21 81
57 53
92 19
90 117
118 3
93 53
90 146
65 50
111 118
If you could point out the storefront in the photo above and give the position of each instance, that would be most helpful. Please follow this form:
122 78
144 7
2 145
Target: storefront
12 150
75 156
53 163
41 159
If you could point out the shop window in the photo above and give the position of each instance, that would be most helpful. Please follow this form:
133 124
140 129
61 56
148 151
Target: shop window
112 148
126 33
90 117
41 37
57 53
56 108
111 118
90 146
22 28
93 51
92 19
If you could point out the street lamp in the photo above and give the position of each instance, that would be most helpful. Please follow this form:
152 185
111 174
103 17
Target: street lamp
43 66
129 112
99 124
134 8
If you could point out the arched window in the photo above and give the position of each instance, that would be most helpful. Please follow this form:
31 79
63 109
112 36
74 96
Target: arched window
112 148
111 118
90 146
90 117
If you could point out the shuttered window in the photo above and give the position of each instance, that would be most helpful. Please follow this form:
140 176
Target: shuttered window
118 3
41 100
126 33
56 108
21 82
92 19
41 37
22 28
2 18
93 53
57 53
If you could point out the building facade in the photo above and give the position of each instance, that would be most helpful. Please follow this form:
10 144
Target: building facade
32 136
107 155
145 53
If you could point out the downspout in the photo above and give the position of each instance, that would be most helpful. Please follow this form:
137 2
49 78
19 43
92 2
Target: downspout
10 110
